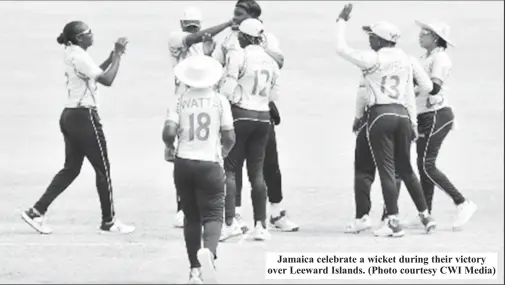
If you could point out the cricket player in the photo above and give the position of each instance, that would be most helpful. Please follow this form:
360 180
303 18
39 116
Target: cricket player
246 9
81 127
436 118
388 78
250 88
203 122
191 40
364 167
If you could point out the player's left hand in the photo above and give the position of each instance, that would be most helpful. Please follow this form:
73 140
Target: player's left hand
208 44
170 154
345 14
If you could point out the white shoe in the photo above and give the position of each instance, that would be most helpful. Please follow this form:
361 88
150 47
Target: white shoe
208 271
36 221
390 228
117 227
359 225
241 224
179 220
465 212
195 276
230 231
283 224
412 222
260 233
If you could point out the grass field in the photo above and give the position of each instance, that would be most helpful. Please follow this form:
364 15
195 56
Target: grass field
318 103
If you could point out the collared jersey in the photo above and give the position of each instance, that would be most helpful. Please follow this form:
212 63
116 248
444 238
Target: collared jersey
81 73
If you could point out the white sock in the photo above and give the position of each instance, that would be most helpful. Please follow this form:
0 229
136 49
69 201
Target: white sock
275 210
425 213
238 210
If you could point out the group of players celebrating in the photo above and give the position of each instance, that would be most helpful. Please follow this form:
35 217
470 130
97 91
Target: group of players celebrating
224 114
400 100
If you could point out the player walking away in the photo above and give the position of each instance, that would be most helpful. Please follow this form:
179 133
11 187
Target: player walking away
182 44
250 87
203 123
364 167
388 78
81 126
435 119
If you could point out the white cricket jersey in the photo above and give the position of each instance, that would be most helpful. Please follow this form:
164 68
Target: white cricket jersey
81 73
179 51
256 74
438 65
228 40
201 115
387 73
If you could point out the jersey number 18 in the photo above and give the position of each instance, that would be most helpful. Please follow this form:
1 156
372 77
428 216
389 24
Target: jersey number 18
200 128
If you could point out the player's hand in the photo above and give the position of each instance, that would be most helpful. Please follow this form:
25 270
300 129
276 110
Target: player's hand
434 100
208 44
120 45
345 14
415 133
275 116
170 154
358 124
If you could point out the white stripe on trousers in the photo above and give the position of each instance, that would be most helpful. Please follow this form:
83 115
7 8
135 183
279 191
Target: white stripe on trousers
370 144
109 186
432 133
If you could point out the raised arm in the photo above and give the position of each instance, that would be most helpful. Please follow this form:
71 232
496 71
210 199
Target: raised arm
363 59
198 37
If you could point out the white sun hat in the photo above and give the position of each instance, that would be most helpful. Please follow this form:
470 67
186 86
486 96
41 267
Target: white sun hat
440 28
199 71
251 27
384 30
192 14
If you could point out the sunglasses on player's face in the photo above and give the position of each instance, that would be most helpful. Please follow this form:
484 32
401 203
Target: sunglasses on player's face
425 32
85 33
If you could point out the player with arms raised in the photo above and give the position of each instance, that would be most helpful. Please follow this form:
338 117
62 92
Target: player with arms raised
388 79
203 123
191 40
250 87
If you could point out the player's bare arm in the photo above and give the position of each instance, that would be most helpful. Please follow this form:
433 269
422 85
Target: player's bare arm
107 61
107 78
200 36
168 135
227 140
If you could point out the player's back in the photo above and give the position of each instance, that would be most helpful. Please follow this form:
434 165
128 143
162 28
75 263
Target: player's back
257 78
199 135
387 82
